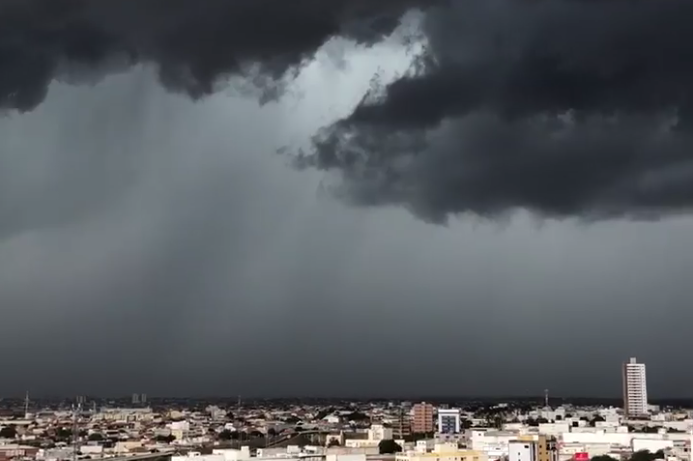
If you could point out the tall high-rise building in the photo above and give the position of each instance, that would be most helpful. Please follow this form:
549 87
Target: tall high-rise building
143 399
448 420
422 418
135 399
634 388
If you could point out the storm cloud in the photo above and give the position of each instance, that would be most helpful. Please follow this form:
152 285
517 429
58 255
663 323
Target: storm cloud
196 46
152 241
565 108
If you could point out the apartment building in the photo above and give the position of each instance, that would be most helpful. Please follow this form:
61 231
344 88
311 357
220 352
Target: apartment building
634 388
448 421
422 418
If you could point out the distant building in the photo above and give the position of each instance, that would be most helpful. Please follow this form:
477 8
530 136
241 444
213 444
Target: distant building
135 399
401 425
422 418
634 388
456 455
378 432
448 421
8 452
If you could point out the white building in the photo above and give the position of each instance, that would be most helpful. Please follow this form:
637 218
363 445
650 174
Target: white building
634 388
448 420
378 432
522 450
493 443
457 455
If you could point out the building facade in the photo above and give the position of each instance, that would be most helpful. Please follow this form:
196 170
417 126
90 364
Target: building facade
634 389
448 421
541 448
457 455
547 448
422 418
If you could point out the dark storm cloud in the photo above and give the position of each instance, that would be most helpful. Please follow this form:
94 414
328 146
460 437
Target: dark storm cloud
194 43
566 108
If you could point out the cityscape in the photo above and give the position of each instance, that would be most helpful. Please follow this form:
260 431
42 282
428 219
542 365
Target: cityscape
346 230
546 429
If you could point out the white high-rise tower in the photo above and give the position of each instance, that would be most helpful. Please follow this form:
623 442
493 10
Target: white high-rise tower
634 388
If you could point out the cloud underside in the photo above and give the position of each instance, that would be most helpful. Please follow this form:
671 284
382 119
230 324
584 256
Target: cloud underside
566 108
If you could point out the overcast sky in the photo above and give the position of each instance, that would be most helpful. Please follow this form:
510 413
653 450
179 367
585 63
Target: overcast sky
507 214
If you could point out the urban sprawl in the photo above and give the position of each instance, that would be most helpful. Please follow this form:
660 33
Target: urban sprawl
283 430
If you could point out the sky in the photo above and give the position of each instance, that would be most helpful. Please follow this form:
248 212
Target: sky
345 198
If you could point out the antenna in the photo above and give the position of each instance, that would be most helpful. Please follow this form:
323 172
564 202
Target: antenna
76 408
546 398
26 406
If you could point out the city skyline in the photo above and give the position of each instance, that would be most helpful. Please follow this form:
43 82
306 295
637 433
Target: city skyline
345 197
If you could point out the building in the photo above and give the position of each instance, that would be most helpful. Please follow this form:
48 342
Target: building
547 448
522 450
541 448
378 432
634 389
422 418
448 421
457 455
401 425
8 452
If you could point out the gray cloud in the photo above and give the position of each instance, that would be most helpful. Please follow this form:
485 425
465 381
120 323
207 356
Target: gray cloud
196 47
150 242
568 108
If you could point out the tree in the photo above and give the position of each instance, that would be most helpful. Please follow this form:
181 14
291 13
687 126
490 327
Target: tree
165 438
333 443
388 447
95 437
357 416
602 458
63 433
596 419
225 435
646 455
271 432
8 432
